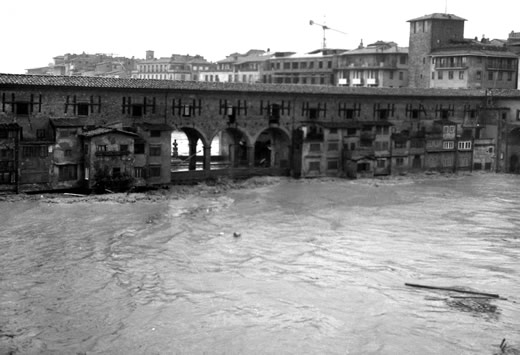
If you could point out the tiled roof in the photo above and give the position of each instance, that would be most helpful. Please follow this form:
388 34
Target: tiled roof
23 80
438 16
377 50
490 51
106 130
155 127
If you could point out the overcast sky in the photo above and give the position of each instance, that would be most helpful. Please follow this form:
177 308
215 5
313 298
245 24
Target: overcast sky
35 31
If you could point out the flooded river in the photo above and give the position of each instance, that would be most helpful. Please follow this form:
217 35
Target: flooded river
319 267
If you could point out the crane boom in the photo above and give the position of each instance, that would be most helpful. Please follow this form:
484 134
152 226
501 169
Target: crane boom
324 27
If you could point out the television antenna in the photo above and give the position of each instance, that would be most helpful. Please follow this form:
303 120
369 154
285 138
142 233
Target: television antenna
325 28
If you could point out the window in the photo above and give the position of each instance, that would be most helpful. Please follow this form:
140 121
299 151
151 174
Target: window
329 64
402 59
123 147
332 164
22 108
313 113
68 153
381 163
155 171
447 145
67 172
315 147
363 167
464 145
40 133
382 130
490 75
332 147
320 64
138 172
450 75
509 76
155 134
351 131
400 144
314 165
35 151
6 153
83 109
439 75
461 75
416 143
500 75
116 171
399 161
275 111
7 178
401 75
295 65
479 75
101 148
391 75
137 110
155 150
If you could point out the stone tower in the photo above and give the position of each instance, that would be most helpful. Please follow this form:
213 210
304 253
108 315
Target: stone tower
426 34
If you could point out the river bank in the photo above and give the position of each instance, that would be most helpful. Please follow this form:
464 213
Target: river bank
222 185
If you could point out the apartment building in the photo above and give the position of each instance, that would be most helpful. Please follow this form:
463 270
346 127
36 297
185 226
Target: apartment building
175 67
316 67
380 64
240 68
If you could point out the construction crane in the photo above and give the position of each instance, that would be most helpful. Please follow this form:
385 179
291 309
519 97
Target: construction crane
324 27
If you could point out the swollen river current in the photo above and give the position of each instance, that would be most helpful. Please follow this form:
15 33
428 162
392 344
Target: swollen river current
294 267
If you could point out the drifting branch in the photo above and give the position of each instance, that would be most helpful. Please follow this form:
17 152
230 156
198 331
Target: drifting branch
491 295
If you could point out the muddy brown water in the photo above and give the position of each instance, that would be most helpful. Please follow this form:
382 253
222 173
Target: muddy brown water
319 268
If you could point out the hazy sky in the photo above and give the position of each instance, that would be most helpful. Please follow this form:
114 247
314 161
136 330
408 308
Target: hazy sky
35 31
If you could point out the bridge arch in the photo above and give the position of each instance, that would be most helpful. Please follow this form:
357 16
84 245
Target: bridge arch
194 145
513 146
235 147
272 148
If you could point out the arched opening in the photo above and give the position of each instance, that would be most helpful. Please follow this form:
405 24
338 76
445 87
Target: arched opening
513 142
272 149
187 150
234 148
514 167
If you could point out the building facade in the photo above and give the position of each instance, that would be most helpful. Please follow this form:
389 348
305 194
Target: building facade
380 64
72 127
440 57
176 67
